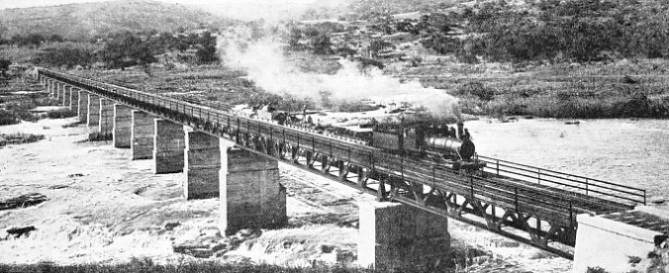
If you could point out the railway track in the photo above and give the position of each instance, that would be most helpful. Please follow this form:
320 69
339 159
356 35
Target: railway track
502 199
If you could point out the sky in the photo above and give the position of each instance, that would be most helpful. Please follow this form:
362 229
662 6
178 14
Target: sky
239 9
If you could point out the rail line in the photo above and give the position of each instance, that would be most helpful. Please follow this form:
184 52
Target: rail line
527 204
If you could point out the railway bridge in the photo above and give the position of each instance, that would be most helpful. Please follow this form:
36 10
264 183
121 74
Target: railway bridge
409 223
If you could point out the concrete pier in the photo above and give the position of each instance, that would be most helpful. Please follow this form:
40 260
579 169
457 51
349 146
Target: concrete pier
82 106
202 165
168 147
122 126
66 96
51 87
141 135
106 125
93 119
608 241
394 235
59 91
74 99
250 193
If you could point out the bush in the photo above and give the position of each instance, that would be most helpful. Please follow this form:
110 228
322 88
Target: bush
61 113
19 138
8 118
477 89
596 269
21 109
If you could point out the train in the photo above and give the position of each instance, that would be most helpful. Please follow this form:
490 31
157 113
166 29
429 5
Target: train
415 136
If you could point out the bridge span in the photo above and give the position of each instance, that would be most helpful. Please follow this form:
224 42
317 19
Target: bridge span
528 204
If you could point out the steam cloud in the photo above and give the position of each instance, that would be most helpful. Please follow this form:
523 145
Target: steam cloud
265 63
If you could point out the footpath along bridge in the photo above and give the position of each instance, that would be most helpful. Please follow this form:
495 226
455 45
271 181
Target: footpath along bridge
528 204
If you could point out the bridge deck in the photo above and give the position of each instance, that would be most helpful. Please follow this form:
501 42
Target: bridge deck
503 200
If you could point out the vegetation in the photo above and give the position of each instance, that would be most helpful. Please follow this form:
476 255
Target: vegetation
146 265
64 22
541 31
19 138
117 50
61 113
4 66
8 118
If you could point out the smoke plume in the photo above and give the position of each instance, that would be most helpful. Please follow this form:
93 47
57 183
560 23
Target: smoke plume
266 64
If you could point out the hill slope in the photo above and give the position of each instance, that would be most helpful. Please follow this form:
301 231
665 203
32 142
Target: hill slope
89 19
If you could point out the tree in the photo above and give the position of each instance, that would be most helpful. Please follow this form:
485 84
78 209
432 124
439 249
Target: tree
206 52
4 66
127 49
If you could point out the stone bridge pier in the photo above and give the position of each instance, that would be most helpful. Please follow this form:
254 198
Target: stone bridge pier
168 147
250 193
93 119
82 107
141 135
394 235
67 96
74 99
106 121
122 126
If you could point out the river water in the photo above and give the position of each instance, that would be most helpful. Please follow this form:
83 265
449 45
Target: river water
628 152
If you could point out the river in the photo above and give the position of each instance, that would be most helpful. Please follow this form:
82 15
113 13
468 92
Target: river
623 151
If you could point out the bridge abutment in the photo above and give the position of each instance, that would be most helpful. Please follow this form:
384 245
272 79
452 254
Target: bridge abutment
122 126
394 235
202 165
250 193
141 135
93 119
82 106
609 241
168 147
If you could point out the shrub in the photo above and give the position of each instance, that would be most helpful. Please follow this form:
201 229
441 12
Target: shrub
8 118
477 89
596 269
19 138
61 113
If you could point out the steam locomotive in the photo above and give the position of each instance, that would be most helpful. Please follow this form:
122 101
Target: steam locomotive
414 136
423 139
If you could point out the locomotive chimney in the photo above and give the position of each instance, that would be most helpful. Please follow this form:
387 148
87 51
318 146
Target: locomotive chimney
461 128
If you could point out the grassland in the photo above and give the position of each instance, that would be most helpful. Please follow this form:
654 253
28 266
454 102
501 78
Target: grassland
623 89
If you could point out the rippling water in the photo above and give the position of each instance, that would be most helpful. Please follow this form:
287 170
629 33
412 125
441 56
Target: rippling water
630 152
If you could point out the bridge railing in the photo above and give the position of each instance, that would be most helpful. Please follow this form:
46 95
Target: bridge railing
571 182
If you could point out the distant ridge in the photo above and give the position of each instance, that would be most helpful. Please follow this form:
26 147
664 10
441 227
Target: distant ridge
89 19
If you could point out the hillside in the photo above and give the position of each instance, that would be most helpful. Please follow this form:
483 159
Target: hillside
89 19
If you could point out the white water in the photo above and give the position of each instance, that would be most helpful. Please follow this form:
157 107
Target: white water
629 152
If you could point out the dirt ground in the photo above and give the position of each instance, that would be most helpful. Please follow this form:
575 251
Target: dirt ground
103 207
